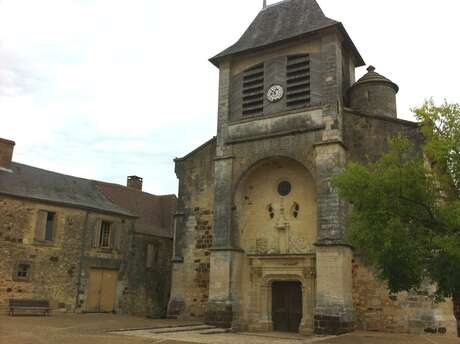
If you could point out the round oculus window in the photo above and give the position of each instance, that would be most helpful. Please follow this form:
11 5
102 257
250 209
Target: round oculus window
284 188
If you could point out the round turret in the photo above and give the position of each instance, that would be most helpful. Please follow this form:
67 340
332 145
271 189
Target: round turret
374 94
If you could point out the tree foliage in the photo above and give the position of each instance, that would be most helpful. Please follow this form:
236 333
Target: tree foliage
441 129
405 214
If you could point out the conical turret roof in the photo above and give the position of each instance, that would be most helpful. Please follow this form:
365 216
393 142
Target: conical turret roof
283 21
373 77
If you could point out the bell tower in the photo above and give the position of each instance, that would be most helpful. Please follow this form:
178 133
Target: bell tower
261 236
277 225
285 78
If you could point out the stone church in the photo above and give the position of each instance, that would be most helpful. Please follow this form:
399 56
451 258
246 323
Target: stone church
260 233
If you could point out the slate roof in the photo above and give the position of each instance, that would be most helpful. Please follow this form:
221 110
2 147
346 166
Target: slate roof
42 185
373 77
283 21
155 213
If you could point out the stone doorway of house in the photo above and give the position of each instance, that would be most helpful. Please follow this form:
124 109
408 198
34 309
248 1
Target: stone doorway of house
102 289
286 306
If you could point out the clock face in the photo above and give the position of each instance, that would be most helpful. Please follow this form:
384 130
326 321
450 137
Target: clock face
275 93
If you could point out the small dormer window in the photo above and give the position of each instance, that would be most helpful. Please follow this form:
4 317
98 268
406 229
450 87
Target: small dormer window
298 81
253 90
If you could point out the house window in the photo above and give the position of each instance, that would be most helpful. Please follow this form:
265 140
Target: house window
253 90
106 235
49 227
152 255
22 271
106 229
46 226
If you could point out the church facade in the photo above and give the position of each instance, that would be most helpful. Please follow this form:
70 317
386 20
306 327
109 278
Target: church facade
260 233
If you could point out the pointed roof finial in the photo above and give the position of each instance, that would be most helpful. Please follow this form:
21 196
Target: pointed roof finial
371 69
264 6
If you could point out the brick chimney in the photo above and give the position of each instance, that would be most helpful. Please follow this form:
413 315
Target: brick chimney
134 182
6 154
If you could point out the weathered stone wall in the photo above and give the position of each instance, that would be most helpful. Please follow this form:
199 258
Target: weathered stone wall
149 287
194 234
115 258
249 153
366 137
379 310
275 73
377 100
55 266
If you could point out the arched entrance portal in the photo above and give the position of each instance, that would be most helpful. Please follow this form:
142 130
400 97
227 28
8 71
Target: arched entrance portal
286 306
275 208
275 220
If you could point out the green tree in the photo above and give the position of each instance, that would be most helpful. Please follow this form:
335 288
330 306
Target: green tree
405 214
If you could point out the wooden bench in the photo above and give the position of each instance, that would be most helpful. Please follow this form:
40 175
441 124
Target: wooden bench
29 305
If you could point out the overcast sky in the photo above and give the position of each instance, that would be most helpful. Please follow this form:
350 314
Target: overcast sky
103 89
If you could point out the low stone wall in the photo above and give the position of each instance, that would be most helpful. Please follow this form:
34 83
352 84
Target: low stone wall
378 310
457 312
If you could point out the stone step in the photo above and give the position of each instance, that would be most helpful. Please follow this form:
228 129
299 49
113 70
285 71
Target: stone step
157 327
183 329
216 331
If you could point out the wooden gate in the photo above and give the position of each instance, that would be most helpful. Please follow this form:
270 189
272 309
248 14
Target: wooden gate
286 306
102 290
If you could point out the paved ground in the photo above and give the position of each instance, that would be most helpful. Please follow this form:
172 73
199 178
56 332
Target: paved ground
105 329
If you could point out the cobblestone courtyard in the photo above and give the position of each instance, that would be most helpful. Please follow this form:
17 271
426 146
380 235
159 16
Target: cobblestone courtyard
113 329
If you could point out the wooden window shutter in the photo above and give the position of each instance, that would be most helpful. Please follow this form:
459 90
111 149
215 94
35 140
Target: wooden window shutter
41 225
97 233
115 236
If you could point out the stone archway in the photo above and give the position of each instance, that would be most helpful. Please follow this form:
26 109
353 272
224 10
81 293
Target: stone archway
274 222
267 270
275 208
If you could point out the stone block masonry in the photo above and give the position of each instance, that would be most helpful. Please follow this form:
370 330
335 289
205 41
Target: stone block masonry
379 310
194 235
147 292
54 267
58 270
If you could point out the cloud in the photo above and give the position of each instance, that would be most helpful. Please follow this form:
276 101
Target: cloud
16 76
103 89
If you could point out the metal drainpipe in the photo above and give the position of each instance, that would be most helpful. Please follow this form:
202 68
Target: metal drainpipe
82 252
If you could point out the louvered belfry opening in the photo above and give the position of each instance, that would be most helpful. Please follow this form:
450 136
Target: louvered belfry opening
253 90
298 81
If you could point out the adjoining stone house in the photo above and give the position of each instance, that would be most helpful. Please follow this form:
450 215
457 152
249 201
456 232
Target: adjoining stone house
63 240
149 273
260 234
